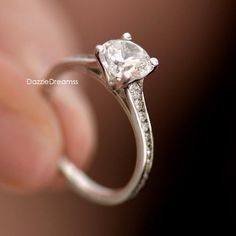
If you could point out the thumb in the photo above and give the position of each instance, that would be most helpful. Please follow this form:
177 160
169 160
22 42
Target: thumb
33 135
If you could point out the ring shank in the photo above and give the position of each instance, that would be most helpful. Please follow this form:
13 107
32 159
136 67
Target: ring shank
81 182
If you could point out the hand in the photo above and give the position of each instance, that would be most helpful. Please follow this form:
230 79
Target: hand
33 136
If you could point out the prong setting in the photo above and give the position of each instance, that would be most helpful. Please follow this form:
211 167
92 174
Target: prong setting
154 61
127 36
123 61
100 48
127 75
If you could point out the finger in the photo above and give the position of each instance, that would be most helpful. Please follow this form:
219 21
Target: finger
28 117
30 138
77 121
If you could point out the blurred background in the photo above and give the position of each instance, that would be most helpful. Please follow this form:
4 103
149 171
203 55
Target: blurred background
190 100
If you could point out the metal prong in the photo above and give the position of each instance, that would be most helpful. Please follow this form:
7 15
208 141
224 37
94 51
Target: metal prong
154 61
127 36
127 75
99 48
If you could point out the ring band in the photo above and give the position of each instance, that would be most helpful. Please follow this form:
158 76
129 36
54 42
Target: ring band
120 65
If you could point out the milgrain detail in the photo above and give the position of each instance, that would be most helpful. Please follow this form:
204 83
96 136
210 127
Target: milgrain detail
136 91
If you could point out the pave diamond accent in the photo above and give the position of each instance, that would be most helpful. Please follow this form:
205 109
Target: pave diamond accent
124 61
139 103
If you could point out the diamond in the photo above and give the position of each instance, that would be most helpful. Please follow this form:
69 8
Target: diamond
148 143
147 137
145 127
135 87
136 94
136 90
124 60
142 116
149 153
138 104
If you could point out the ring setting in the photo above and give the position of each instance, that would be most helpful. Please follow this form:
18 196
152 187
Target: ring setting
124 61
121 66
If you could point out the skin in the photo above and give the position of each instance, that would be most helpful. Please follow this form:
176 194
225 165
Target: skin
191 40
34 133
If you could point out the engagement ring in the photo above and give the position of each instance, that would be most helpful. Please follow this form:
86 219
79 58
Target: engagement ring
121 66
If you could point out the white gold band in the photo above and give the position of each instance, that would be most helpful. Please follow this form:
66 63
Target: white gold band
131 98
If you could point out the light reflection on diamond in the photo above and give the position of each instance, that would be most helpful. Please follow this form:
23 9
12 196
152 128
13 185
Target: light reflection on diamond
125 60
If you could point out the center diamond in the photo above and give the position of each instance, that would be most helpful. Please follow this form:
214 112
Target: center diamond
124 61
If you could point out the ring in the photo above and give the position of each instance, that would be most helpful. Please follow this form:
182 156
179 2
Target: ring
121 66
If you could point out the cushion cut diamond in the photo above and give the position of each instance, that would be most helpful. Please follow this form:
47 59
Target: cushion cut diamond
124 60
